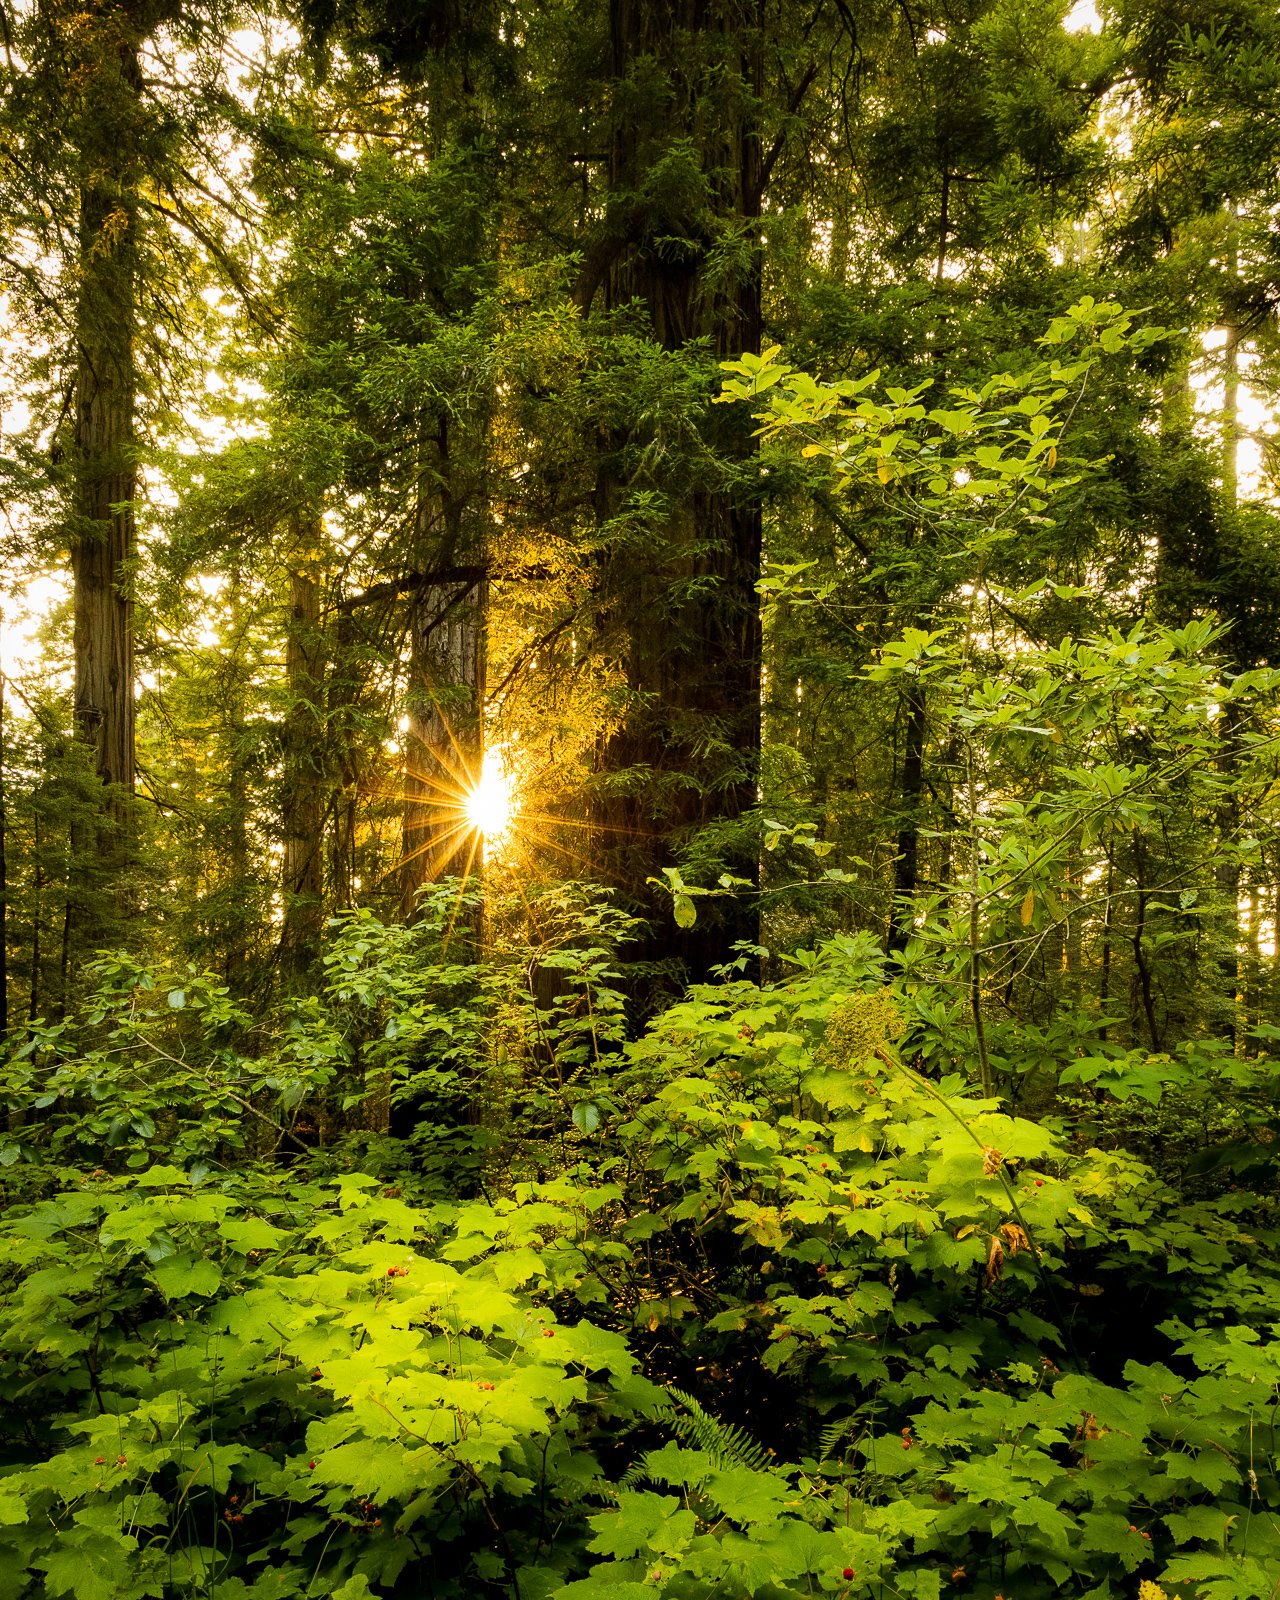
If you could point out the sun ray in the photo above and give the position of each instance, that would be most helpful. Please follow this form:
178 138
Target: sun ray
489 802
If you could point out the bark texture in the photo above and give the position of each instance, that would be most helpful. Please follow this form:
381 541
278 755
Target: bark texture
683 182
304 795
103 534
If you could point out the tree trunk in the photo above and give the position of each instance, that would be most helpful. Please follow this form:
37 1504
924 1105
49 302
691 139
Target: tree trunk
1231 378
906 866
4 873
344 800
103 537
682 598
303 797
444 739
444 706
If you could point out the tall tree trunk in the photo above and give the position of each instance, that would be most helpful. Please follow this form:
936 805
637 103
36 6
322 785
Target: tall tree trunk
1231 376
303 797
103 535
344 800
4 872
1226 871
683 597
37 912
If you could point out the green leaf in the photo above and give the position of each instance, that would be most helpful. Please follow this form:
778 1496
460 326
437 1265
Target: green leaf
182 1275
86 1564
586 1116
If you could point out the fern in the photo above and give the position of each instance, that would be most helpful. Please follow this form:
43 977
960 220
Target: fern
832 1434
725 1444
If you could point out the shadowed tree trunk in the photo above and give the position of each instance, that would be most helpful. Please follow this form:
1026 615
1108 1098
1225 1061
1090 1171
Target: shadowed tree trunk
303 798
681 594
906 866
4 873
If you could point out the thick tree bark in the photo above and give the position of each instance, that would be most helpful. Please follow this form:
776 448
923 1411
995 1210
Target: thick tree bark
683 600
345 796
103 536
304 796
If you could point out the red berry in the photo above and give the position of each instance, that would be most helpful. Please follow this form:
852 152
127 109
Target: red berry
822 1271
847 1573
311 1466
1039 1183
548 1333
99 1461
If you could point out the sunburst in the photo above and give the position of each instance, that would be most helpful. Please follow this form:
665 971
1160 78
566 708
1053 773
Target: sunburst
489 805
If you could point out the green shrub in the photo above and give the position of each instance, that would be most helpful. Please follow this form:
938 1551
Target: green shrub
785 1316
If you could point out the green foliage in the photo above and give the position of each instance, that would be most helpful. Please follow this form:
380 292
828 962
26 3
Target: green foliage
370 1239
264 1386
265 1380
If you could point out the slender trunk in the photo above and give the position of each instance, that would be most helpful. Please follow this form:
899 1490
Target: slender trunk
1067 937
906 866
1145 986
1104 986
4 872
1251 1010
838 253
944 226
37 888
1274 995
341 701
1231 419
1226 873
236 954
64 959
1231 380
975 933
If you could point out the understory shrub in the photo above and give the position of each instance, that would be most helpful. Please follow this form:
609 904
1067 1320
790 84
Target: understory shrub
748 1306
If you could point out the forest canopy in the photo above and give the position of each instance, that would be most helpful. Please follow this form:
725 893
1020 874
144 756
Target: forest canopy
639 778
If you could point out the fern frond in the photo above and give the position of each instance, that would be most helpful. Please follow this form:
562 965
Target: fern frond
832 1435
726 1444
